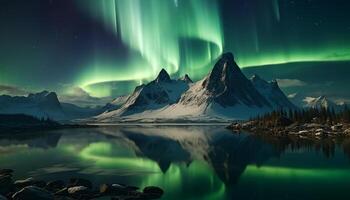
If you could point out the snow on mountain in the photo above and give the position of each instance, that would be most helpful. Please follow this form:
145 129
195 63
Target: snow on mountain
115 104
321 102
224 94
272 92
159 93
225 85
43 105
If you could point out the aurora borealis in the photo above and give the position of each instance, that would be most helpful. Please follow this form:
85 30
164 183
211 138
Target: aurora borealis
107 47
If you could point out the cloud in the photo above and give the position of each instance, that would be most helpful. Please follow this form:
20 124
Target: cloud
341 101
79 96
12 90
290 83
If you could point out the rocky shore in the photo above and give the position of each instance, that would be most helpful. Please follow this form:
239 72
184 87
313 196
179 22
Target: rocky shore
286 128
75 188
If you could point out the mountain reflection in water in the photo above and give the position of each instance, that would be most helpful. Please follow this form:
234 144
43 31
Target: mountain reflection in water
189 162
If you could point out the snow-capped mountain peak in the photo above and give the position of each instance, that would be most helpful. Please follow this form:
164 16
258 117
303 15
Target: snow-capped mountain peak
158 93
321 102
186 79
163 76
43 104
227 85
225 93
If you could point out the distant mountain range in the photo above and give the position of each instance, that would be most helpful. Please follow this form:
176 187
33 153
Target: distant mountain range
322 102
224 94
44 105
308 79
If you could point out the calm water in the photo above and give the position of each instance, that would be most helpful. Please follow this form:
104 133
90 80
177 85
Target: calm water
188 162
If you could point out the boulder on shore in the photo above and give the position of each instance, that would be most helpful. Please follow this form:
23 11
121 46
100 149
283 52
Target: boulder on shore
6 184
152 192
55 186
77 190
79 182
33 193
6 172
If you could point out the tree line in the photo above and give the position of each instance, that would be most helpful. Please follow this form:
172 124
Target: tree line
309 115
22 119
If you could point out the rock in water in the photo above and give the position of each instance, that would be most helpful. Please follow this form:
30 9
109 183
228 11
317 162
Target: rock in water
24 183
80 182
5 184
152 192
29 181
33 193
55 185
77 190
6 172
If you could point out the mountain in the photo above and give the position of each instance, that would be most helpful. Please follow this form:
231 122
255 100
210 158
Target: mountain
227 154
115 104
73 111
272 92
321 102
186 78
308 79
157 94
43 105
224 94
225 85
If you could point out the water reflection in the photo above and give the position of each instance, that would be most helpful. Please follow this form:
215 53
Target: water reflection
189 162
326 146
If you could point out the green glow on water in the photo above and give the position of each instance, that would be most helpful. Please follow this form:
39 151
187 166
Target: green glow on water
102 153
178 179
277 172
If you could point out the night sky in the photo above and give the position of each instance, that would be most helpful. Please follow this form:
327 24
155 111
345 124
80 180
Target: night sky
66 45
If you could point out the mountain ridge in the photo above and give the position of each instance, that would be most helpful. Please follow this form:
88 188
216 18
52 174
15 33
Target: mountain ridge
225 93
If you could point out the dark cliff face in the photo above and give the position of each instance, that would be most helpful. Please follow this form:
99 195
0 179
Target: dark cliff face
163 76
187 79
228 86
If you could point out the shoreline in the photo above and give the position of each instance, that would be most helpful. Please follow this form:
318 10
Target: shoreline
73 188
14 131
295 130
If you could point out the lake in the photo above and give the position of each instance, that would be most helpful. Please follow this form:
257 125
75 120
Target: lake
188 162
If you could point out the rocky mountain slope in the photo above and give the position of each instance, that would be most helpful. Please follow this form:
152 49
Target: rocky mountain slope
159 93
272 92
224 94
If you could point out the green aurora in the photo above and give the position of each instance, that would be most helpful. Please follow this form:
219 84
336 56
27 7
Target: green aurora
88 43
182 38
